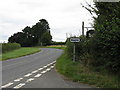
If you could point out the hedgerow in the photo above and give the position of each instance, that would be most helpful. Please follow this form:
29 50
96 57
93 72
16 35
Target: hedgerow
9 47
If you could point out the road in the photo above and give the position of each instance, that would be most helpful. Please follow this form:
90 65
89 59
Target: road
35 71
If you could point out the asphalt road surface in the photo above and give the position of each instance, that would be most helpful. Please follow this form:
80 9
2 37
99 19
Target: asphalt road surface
35 71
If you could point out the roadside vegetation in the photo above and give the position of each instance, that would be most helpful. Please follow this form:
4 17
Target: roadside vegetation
19 52
57 46
78 72
98 52
6 47
37 35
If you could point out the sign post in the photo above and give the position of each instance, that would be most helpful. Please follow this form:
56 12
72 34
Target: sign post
74 40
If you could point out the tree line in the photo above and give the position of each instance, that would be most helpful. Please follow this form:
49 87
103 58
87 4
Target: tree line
38 34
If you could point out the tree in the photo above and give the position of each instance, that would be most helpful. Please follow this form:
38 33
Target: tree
46 38
38 34
105 42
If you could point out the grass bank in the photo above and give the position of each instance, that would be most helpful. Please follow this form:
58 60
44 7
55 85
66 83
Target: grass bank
79 73
19 52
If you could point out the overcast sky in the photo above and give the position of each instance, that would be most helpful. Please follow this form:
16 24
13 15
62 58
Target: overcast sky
63 16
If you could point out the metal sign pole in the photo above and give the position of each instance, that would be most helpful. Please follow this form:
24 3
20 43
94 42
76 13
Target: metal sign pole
74 40
74 53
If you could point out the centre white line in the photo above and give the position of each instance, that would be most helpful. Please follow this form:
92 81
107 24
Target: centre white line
54 61
43 72
7 85
48 64
52 67
38 75
27 75
35 71
19 85
29 80
17 80
44 66
48 69
40 69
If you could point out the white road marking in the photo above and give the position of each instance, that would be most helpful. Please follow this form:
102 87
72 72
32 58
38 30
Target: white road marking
43 72
35 71
17 80
48 69
52 67
38 75
51 63
40 68
54 61
48 64
7 85
19 85
27 75
29 80
44 66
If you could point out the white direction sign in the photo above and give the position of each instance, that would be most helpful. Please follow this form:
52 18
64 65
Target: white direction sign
74 39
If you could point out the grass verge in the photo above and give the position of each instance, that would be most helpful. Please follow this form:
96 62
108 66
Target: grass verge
19 52
79 73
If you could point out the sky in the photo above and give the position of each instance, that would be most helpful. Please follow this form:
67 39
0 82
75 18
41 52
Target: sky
63 16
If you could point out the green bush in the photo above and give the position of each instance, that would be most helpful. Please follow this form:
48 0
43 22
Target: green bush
105 48
9 47
102 51
80 48
57 43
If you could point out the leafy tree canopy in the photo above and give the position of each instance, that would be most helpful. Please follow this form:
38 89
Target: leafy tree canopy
35 35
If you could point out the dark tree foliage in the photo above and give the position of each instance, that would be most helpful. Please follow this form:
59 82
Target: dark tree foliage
39 34
105 43
102 50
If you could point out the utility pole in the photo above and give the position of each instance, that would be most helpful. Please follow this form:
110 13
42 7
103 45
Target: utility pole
83 28
66 35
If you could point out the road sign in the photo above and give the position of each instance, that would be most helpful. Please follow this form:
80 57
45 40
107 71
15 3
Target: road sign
74 39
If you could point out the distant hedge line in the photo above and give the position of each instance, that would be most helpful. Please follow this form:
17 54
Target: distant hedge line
9 46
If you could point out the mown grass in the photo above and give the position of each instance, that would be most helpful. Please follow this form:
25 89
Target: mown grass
18 53
79 73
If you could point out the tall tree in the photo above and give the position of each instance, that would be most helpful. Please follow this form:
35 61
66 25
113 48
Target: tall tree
38 34
39 29
105 42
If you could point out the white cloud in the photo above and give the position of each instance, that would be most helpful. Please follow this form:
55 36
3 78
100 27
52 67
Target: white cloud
64 16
